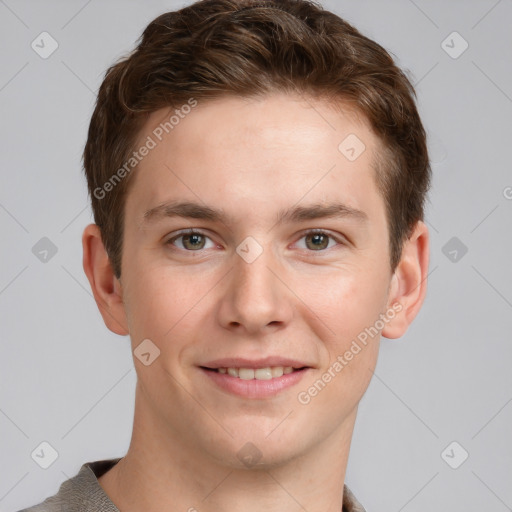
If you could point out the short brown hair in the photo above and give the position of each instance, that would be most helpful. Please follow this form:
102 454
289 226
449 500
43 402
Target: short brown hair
246 48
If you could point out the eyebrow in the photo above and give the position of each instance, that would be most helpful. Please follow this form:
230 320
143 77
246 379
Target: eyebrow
191 210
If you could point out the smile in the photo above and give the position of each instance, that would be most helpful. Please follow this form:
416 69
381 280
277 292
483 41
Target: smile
267 373
254 383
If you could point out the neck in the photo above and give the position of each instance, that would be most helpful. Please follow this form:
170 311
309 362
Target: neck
161 472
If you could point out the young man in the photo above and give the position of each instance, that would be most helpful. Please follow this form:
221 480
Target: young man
257 172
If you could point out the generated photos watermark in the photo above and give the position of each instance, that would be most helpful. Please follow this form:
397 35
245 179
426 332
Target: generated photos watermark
305 397
151 142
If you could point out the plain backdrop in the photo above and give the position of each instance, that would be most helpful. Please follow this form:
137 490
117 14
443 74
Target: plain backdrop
440 393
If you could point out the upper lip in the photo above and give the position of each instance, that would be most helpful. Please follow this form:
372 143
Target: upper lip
241 362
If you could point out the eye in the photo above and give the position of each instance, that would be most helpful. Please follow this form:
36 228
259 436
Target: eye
192 240
318 240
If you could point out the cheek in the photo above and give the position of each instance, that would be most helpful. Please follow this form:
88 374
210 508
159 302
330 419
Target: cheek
346 303
350 344
164 304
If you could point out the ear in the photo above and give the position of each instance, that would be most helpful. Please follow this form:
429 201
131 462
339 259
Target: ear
409 282
106 288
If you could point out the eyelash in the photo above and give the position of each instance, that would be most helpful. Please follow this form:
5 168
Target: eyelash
192 231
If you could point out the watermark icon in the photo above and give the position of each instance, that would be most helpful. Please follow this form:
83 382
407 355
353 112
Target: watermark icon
454 45
351 147
249 249
454 455
146 352
44 250
304 397
249 455
454 249
44 455
507 192
151 142
44 45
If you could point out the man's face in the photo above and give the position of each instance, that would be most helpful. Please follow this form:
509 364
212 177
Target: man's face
250 288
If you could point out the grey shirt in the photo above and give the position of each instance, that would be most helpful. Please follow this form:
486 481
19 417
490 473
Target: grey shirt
83 493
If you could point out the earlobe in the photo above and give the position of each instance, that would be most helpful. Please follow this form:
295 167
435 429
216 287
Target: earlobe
408 287
106 288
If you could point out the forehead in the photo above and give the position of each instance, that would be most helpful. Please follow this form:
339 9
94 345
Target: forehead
273 120
250 154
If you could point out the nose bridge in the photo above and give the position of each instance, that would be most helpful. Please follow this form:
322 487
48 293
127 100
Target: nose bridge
253 273
255 297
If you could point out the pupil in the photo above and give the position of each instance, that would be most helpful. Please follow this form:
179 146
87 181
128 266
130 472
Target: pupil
193 240
318 239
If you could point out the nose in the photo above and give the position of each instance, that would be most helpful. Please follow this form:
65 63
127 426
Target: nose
255 298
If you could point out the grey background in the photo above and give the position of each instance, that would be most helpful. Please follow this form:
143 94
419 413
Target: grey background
67 380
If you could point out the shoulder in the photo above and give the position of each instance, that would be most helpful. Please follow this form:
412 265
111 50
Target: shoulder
350 503
81 493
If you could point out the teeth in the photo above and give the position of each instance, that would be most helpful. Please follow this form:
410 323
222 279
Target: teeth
258 373
277 371
263 374
233 372
246 373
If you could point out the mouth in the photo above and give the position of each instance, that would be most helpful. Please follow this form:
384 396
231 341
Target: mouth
255 379
263 373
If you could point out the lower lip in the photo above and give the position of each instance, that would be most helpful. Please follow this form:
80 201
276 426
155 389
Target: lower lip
255 388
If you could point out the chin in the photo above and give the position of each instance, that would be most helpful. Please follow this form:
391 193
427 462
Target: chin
256 447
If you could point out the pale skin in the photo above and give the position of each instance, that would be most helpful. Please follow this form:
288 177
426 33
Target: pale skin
251 159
